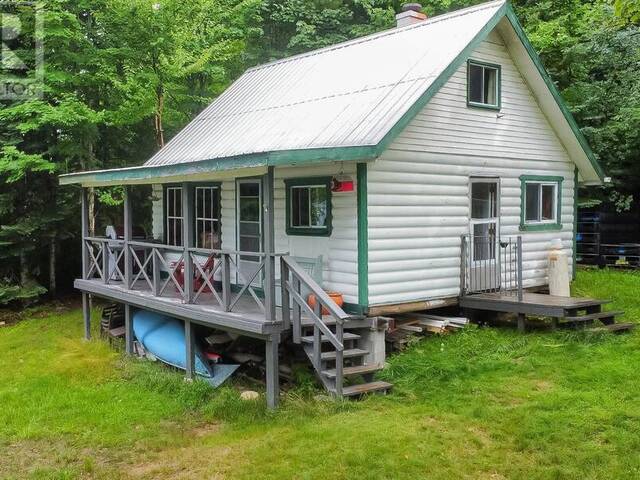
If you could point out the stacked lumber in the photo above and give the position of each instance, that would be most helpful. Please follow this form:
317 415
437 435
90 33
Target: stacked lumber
405 328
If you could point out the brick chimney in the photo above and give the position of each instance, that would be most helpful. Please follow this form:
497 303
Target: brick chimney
410 14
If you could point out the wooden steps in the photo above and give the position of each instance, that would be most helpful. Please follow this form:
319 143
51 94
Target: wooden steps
352 371
348 353
362 388
593 316
615 327
324 339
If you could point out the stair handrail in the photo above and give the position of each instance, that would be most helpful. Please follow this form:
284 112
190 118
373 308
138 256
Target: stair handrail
292 286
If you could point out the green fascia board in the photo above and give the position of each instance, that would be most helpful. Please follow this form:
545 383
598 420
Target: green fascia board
515 23
286 157
541 227
308 231
363 235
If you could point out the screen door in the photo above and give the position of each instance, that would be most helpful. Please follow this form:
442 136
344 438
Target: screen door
484 271
249 214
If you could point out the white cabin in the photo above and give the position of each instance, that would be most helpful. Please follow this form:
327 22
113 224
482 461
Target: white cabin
383 153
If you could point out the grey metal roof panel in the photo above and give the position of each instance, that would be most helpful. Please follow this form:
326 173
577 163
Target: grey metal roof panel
350 94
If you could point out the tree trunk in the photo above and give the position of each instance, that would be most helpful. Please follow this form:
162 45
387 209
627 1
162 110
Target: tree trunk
52 265
158 116
25 274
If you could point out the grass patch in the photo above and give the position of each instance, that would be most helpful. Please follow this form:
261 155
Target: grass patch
482 403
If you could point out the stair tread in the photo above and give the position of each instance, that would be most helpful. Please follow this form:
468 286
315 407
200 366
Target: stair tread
357 370
616 327
593 316
361 388
351 352
346 336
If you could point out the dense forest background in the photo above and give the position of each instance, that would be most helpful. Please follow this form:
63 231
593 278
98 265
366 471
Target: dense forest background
123 76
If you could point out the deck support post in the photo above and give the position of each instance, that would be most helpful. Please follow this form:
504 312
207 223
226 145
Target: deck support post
187 238
86 314
190 350
272 371
286 308
128 226
128 329
269 246
522 322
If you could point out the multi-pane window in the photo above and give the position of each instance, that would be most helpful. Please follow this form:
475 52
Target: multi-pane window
483 85
309 206
207 211
540 202
173 203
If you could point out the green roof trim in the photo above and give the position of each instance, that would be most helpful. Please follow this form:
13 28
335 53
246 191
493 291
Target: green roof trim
267 159
515 23
363 236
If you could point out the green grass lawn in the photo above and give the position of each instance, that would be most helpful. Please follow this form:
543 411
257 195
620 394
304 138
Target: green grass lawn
482 403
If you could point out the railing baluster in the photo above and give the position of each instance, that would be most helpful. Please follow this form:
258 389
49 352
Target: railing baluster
105 261
317 336
339 358
286 312
519 257
226 281
155 267
297 327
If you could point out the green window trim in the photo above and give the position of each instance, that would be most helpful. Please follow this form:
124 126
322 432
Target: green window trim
308 231
538 226
498 69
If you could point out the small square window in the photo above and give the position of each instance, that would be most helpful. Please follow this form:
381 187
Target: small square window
541 198
483 85
308 206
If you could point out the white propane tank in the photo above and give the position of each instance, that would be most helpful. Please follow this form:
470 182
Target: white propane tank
558 270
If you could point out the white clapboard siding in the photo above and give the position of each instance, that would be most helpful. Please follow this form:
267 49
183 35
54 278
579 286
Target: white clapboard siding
339 251
418 190
157 211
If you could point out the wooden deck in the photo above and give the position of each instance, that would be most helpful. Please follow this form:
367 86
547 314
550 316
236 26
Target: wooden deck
531 303
247 318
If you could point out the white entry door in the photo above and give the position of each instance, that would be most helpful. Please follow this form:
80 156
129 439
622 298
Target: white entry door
484 225
249 228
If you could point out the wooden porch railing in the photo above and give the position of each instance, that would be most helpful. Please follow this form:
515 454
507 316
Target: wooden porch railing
190 273
294 277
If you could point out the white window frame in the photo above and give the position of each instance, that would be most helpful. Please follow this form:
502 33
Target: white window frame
541 184
212 221
177 193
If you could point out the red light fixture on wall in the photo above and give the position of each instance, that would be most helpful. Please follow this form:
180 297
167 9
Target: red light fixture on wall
342 184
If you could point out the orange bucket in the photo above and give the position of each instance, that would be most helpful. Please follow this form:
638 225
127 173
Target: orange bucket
335 296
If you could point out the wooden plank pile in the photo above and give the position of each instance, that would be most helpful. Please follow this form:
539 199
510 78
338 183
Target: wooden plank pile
405 328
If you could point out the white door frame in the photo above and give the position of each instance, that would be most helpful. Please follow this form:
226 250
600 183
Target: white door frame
491 277
240 262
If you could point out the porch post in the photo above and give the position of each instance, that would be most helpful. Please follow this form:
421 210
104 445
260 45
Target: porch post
86 304
190 351
85 232
128 224
86 314
269 248
128 329
271 357
187 238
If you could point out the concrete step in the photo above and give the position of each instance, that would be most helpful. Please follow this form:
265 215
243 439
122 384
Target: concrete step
349 353
354 390
346 336
351 371
593 316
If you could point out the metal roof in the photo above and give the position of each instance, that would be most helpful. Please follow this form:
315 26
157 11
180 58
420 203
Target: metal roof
345 95
344 102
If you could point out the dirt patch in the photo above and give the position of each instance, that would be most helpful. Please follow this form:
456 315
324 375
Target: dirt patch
543 385
206 430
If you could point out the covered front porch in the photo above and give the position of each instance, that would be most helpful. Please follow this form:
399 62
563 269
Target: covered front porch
189 272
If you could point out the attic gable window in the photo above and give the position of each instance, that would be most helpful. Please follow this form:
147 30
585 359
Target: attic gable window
483 85
541 198
308 206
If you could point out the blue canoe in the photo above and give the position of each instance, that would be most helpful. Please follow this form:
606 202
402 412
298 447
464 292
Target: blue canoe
164 337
